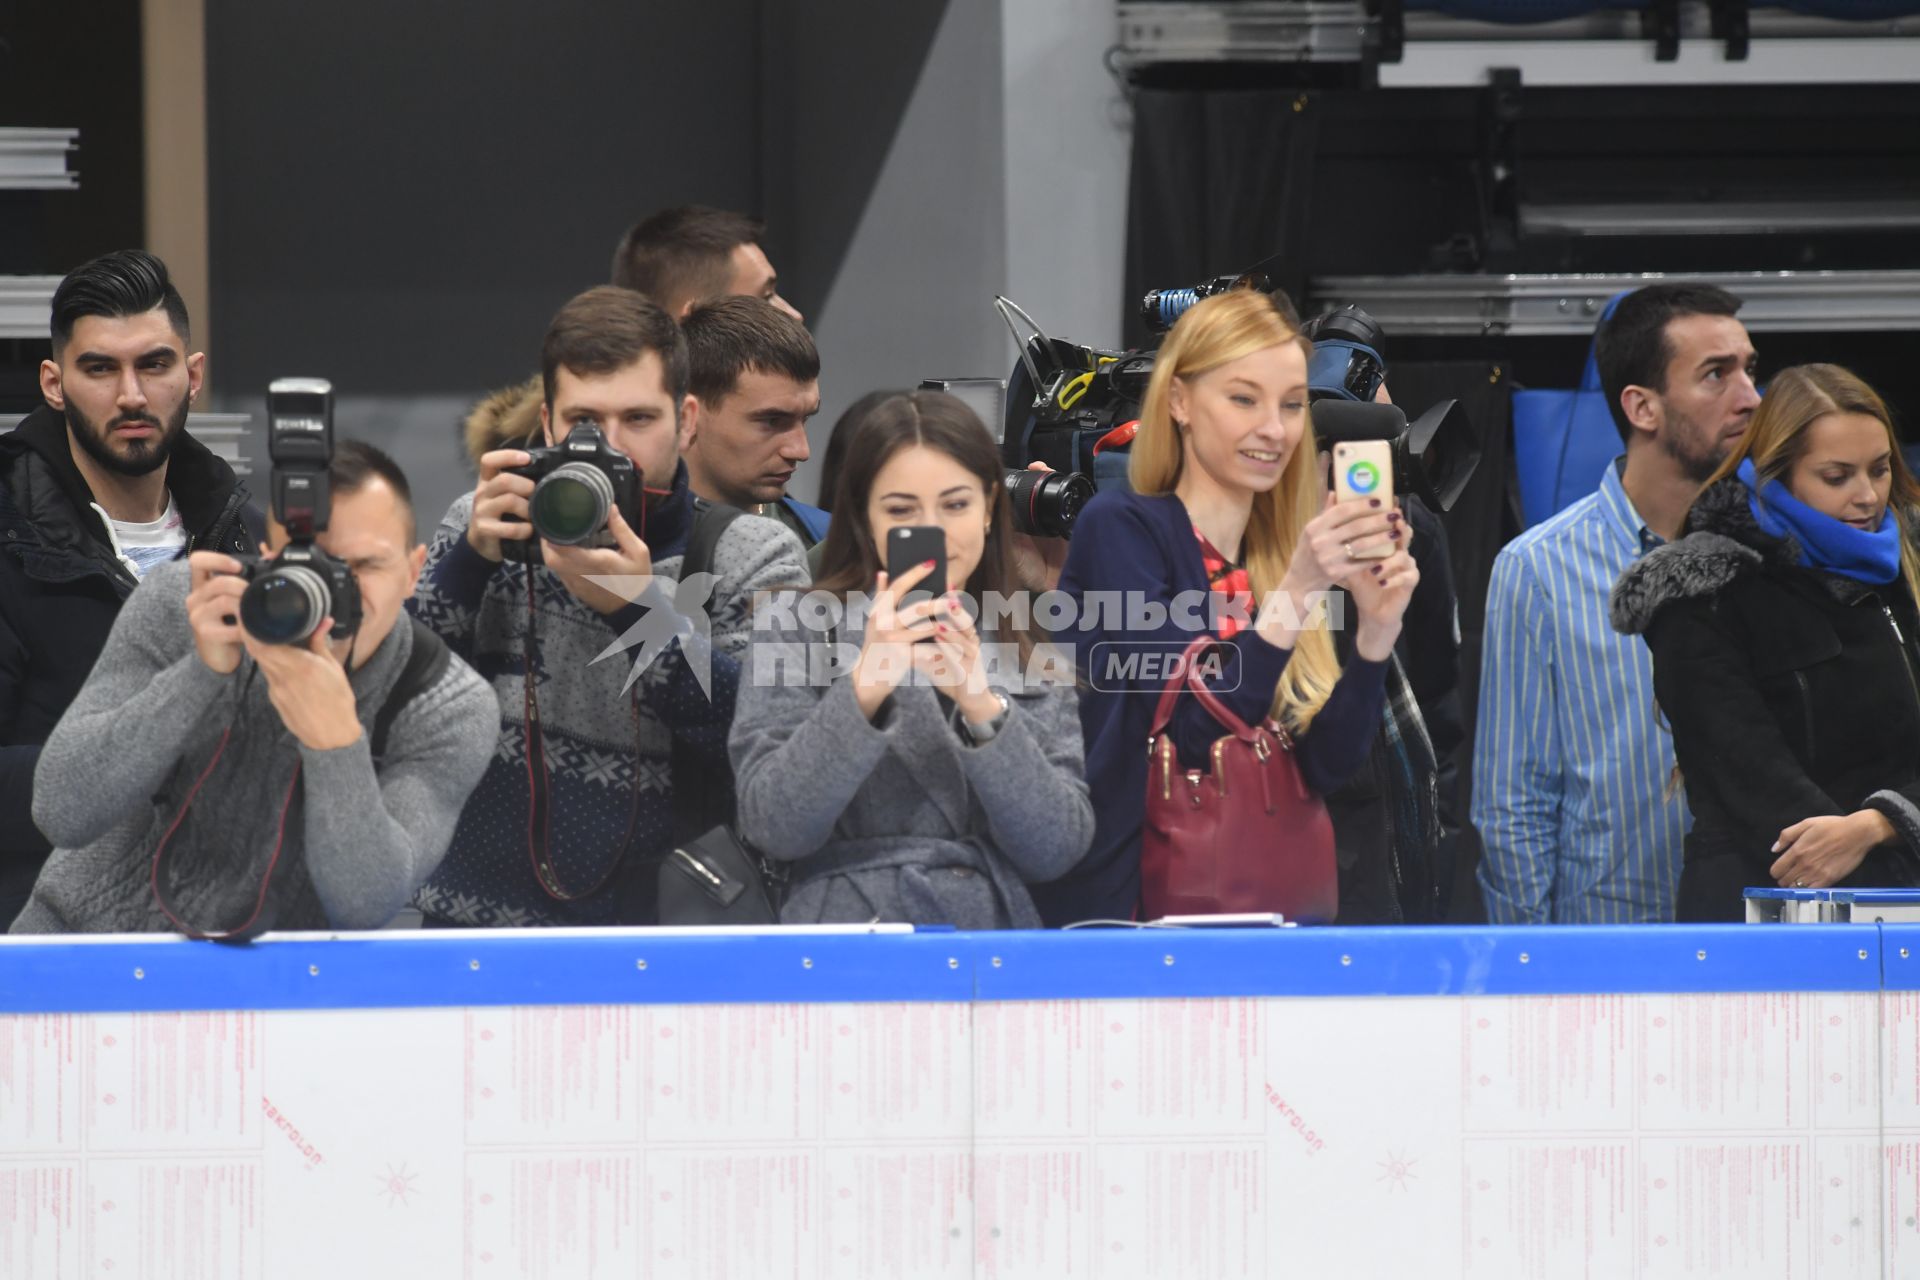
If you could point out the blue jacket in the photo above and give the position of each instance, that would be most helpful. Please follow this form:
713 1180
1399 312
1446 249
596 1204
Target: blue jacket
1143 549
812 517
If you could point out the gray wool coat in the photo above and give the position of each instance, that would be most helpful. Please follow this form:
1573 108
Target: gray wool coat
899 819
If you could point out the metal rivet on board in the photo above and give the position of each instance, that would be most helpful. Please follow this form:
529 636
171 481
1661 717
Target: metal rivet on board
1346 959
996 962
1699 955
1863 955
314 969
806 962
473 964
139 973
639 964
1169 959
1525 958
953 962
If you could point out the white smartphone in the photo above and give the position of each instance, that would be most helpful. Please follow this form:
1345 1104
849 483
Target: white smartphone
1364 469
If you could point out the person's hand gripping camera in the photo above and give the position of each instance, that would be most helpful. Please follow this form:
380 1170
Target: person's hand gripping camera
297 610
566 506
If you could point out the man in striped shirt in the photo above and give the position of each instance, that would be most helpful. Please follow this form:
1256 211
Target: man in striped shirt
1570 763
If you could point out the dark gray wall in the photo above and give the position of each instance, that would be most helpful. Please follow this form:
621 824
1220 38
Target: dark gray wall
402 195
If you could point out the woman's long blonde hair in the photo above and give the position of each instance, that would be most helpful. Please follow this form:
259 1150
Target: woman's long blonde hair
1776 439
1220 329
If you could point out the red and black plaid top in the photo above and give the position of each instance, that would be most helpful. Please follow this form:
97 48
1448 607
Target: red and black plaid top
1230 580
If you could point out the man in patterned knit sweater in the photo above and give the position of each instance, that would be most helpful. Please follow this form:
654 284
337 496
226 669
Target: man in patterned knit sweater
579 799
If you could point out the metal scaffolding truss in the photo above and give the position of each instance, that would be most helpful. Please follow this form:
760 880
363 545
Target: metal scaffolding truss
36 159
1671 42
1552 305
24 305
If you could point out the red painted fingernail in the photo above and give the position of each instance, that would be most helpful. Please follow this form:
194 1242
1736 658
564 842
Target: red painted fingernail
1378 570
1393 517
926 564
1395 535
939 626
1373 502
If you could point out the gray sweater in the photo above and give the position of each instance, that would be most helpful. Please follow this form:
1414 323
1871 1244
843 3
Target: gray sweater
898 818
358 842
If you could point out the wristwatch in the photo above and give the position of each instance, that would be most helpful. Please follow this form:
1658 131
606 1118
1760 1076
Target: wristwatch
979 734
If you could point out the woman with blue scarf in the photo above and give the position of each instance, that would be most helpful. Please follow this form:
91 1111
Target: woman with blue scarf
1783 628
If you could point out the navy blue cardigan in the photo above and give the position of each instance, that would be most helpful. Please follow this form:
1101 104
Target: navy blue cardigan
1144 549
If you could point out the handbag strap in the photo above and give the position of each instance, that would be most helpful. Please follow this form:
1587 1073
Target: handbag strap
1188 676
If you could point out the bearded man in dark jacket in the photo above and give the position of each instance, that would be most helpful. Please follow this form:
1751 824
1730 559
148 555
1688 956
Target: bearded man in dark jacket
97 486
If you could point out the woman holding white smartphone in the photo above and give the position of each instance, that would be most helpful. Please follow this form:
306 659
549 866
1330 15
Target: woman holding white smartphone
1228 500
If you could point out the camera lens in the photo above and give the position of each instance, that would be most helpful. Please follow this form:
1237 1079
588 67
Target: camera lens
285 605
1046 503
571 503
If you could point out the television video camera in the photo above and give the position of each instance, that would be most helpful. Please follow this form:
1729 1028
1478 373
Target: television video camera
1045 504
1434 456
579 483
1076 408
290 594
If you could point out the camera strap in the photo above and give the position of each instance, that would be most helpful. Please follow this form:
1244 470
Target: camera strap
540 782
250 928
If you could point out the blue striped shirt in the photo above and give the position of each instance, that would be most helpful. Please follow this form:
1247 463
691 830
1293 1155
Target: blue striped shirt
1570 764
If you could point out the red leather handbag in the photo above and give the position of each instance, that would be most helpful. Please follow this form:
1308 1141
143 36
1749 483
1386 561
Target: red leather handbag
1244 835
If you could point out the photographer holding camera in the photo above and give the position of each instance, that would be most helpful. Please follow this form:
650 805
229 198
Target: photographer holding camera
567 554
260 746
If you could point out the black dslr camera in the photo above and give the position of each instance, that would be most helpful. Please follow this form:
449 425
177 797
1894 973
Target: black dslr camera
291 594
578 484
1434 456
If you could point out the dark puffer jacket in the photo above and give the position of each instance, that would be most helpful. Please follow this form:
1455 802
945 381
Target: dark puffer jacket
61 586
1792 693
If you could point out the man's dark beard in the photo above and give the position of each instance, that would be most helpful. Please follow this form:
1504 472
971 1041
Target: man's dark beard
1696 465
141 457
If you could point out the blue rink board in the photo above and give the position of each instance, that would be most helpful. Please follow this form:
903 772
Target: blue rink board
534 967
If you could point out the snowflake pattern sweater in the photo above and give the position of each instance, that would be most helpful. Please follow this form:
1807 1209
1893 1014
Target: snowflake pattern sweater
610 751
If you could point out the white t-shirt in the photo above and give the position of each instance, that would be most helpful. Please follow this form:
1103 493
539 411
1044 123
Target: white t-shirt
153 542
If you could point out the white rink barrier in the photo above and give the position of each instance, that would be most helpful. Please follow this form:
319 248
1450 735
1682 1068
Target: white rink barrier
1631 1102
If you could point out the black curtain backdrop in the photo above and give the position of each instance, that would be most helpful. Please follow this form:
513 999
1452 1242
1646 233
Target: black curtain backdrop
1220 182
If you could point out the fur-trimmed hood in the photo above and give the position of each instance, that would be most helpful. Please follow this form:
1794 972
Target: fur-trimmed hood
1723 541
506 419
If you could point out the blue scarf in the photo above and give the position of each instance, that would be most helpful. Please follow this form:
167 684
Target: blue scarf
1825 543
